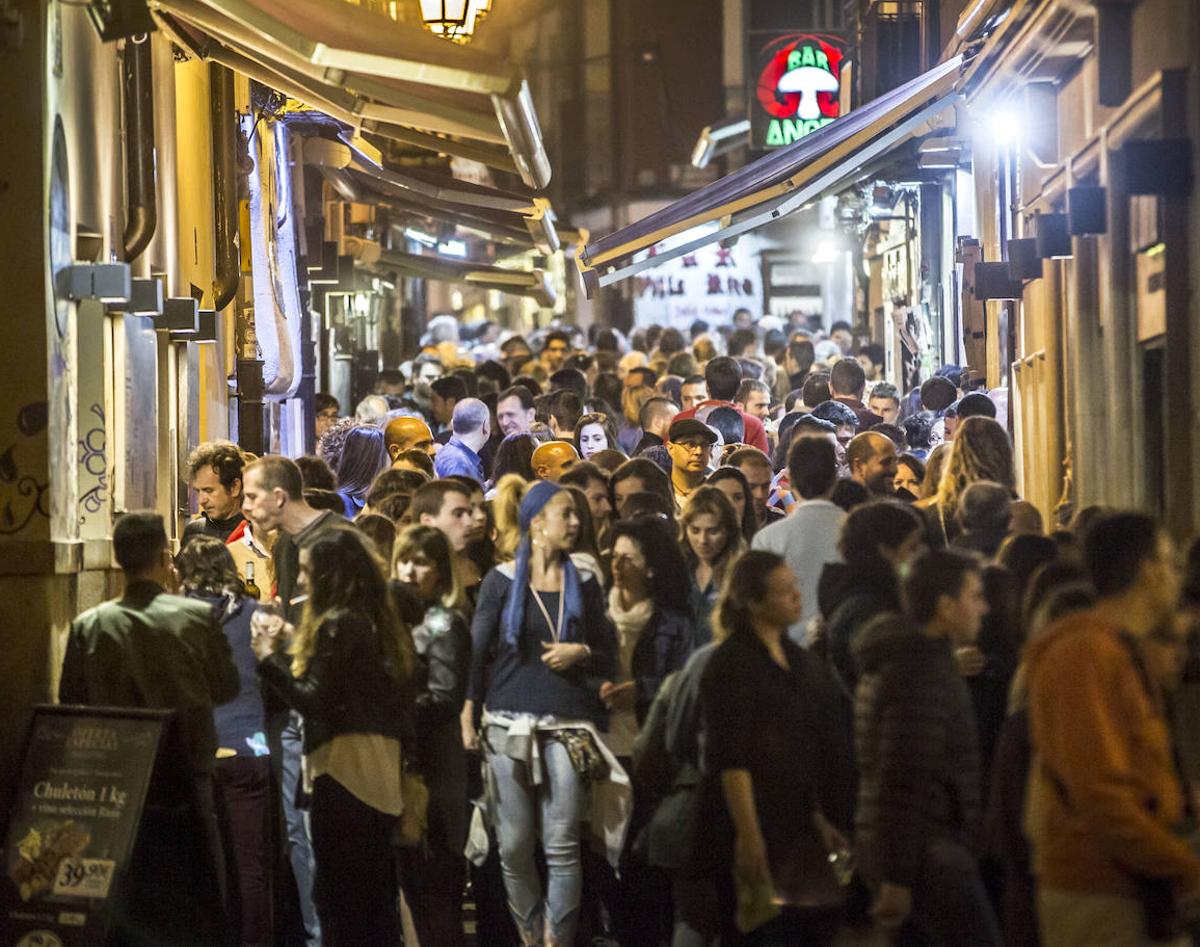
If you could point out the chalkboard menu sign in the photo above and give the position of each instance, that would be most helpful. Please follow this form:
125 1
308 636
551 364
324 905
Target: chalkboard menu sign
74 821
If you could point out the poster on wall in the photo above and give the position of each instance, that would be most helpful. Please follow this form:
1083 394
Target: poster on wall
795 77
710 283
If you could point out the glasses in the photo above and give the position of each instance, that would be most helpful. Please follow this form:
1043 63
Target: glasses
694 446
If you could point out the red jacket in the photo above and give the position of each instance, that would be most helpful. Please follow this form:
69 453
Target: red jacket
755 434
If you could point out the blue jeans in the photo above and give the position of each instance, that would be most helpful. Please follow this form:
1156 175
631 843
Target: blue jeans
558 805
299 836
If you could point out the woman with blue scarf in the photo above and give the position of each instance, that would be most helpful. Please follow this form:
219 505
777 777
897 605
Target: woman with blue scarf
542 647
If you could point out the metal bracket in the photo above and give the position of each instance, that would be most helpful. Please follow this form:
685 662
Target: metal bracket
106 282
179 314
145 298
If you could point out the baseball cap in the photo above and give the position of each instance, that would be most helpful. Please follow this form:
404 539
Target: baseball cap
690 427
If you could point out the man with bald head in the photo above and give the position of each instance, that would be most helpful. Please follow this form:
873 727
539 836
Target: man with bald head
871 458
553 459
471 424
407 433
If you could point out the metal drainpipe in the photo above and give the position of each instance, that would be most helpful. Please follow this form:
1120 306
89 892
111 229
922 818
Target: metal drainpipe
140 194
225 144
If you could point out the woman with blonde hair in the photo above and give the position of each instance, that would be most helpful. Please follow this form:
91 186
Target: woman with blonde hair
430 599
510 489
712 539
981 450
349 672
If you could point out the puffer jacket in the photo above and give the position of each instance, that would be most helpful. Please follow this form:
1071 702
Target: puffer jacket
918 756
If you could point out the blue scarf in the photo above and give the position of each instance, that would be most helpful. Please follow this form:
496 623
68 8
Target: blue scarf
513 616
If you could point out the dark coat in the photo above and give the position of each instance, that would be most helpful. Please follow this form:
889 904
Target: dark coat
914 729
849 598
151 649
345 688
443 646
663 647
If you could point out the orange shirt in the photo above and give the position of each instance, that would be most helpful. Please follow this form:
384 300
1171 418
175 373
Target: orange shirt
1107 814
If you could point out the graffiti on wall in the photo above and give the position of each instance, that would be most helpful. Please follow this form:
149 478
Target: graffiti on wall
22 496
93 458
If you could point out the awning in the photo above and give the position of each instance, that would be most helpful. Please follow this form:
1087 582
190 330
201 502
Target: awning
444 198
776 184
532 283
373 73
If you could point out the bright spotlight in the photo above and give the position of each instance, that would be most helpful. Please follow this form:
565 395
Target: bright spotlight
1004 124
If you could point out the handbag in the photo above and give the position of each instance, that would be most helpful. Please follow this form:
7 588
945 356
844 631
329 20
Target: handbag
586 758
409 830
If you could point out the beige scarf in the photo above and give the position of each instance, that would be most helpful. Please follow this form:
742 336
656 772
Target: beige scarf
622 724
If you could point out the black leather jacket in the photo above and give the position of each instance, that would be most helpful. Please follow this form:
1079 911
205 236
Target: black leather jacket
346 687
442 640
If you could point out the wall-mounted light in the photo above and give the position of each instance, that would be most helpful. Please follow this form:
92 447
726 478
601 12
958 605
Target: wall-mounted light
994 281
1023 260
106 282
1053 236
826 252
1087 210
180 314
1003 124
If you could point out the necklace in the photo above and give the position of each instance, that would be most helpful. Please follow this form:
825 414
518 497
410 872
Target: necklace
555 627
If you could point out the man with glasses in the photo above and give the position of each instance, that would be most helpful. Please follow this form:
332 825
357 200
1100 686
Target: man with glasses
688 444
326 408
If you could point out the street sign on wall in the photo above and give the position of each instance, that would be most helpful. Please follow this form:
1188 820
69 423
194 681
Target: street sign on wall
795 80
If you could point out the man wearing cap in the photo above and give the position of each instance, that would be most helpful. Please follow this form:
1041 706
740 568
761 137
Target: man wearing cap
688 443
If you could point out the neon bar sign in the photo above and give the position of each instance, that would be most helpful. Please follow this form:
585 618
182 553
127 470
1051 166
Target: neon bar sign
797 87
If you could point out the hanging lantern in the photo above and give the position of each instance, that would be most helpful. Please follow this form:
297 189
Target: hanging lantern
446 17
454 19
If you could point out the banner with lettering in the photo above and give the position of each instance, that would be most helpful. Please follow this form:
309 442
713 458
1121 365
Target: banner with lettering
73 823
711 283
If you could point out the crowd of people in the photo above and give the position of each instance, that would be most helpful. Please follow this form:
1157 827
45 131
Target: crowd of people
666 640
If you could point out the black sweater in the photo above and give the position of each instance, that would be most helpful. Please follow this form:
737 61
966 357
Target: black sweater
515 679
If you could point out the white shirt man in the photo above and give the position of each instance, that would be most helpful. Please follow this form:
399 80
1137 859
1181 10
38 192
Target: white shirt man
808 537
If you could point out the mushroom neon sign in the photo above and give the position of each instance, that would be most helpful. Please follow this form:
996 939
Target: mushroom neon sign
798 86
